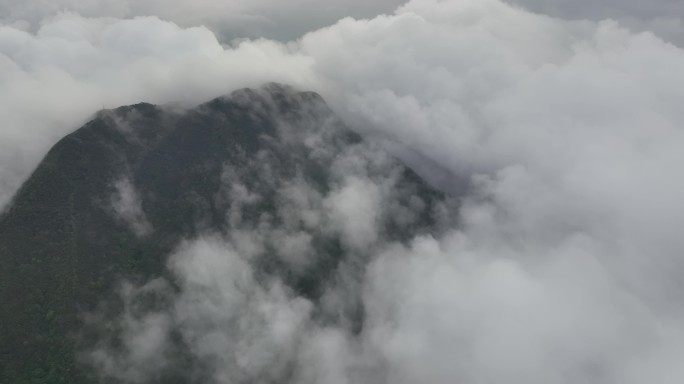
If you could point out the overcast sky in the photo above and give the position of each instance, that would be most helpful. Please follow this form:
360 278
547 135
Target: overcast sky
289 20
564 116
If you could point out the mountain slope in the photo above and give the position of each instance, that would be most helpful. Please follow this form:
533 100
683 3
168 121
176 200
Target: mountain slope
111 201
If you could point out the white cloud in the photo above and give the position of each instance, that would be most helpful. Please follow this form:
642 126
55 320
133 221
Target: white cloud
354 211
128 207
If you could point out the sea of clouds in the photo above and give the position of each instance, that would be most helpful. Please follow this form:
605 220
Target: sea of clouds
563 118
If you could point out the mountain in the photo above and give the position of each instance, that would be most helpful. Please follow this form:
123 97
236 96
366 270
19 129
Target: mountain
112 200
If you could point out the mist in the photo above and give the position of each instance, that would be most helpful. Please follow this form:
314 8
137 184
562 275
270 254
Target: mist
556 126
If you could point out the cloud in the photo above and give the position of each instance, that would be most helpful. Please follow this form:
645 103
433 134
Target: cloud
127 206
144 351
230 19
565 138
563 270
55 79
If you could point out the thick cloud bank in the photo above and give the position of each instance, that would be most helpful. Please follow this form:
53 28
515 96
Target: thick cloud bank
567 263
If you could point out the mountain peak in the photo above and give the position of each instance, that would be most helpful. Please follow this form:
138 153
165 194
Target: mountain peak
113 199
